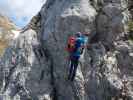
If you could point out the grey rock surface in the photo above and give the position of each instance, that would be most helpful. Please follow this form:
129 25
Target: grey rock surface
35 65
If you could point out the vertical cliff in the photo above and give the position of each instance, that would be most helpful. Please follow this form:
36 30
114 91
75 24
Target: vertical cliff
35 65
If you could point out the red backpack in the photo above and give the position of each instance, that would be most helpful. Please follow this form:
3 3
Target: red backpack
71 44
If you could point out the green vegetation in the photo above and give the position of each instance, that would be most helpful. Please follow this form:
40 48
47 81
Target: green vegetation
130 30
130 26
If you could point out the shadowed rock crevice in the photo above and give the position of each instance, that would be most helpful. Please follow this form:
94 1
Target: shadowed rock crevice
49 58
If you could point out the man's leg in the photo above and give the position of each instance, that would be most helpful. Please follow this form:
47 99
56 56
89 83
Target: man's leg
75 69
70 69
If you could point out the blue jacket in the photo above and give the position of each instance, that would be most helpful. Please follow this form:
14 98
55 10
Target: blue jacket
79 46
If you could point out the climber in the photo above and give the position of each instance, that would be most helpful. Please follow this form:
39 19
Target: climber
76 45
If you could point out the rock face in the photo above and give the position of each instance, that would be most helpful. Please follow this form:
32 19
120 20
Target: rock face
130 3
35 65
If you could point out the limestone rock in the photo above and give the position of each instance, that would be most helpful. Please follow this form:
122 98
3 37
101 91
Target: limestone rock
35 65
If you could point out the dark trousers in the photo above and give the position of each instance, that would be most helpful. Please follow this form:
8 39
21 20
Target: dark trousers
73 68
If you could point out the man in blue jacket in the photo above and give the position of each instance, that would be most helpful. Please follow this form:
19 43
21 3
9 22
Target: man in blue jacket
80 44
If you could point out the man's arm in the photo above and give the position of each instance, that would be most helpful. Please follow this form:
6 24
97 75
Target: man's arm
86 46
